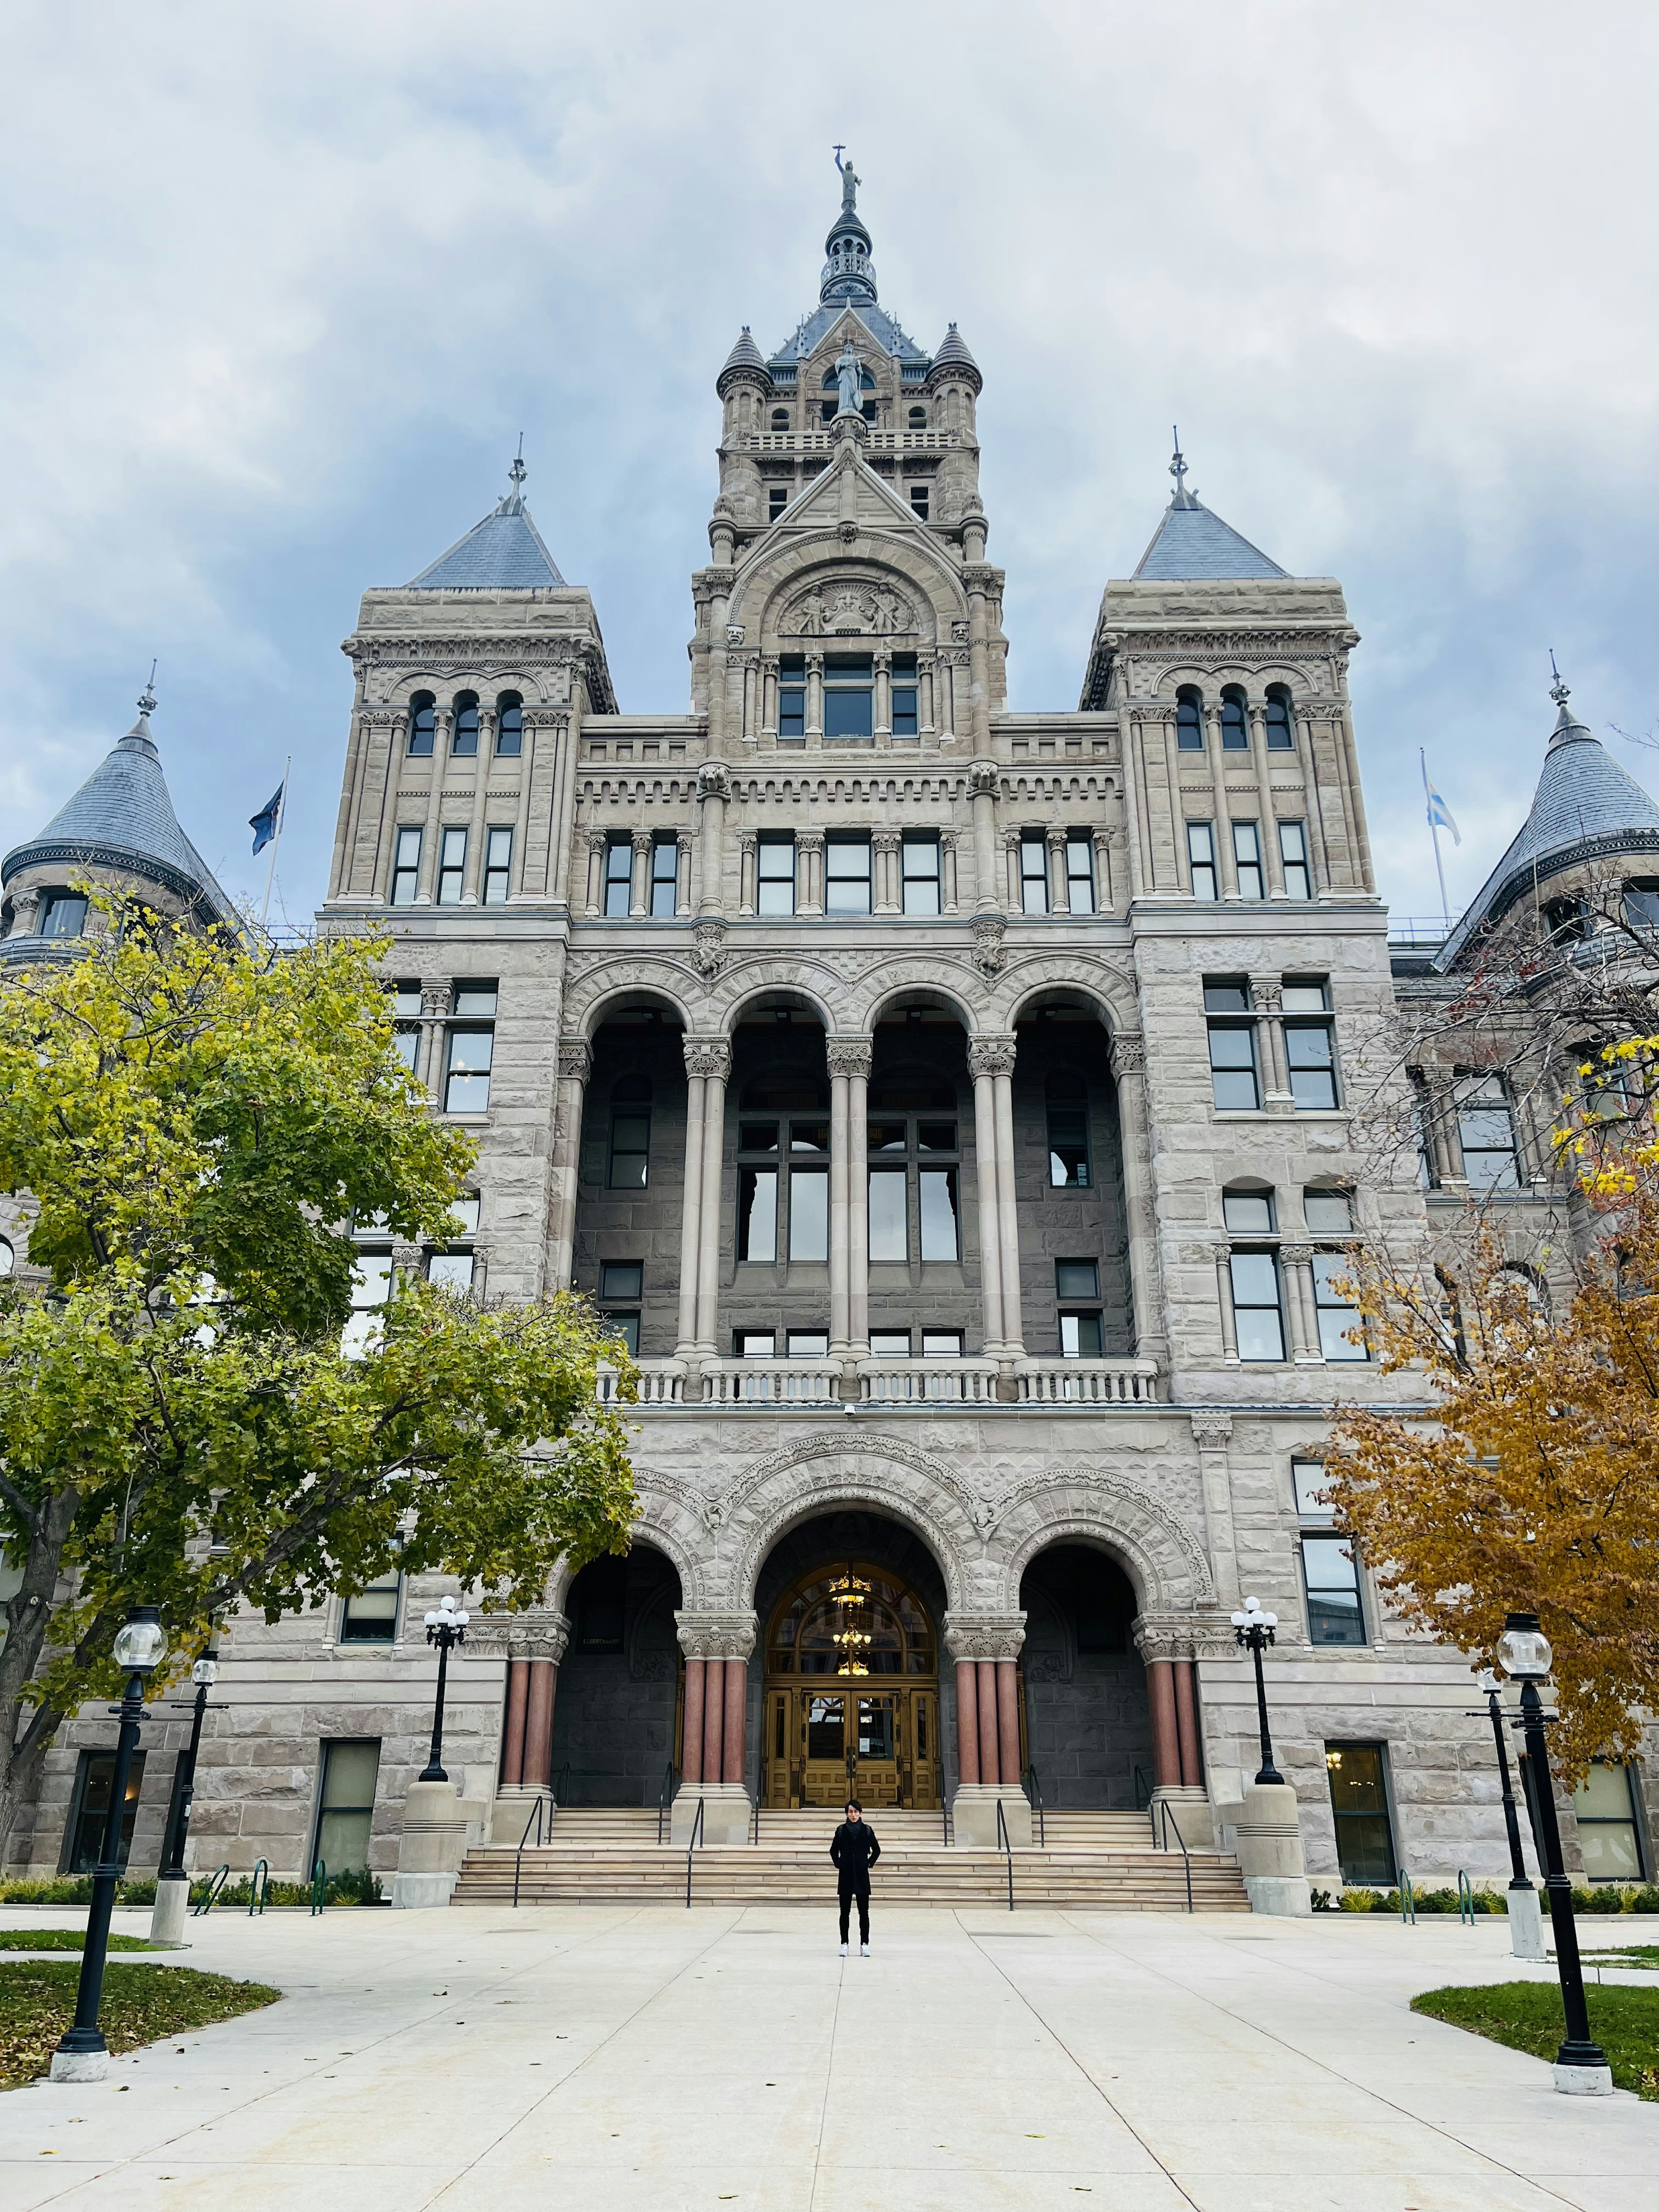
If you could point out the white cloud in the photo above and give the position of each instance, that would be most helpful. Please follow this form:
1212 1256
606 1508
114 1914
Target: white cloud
281 286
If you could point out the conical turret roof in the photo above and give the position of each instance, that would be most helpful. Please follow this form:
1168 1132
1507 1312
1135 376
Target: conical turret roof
123 819
1586 808
504 552
954 349
1192 545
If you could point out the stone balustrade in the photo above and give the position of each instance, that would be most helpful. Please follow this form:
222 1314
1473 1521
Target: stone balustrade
1088 1381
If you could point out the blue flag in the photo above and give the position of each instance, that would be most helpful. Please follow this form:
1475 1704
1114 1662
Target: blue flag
1440 817
264 825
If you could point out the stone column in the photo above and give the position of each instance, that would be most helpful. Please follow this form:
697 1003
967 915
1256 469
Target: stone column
735 1726
990 1759
947 872
1060 895
717 1646
997 1053
1166 1642
1272 863
714 1720
1224 1294
691 1726
815 696
986 1647
716 1068
1128 1058
927 723
839 1226
1192 1771
982 1064
1295 1268
968 1722
712 788
639 886
699 1054
1013 887
1105 889
518 1689
539 1725
1008 1721
1166 1738
750 845
1212 1433
532 1644
596 845
575 1065
885 854
883 700
1267 998
769 694
809 872
984 781
431 830
855 1055
683 873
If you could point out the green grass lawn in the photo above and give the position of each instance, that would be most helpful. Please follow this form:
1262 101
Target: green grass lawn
61 1939
1526 2015
142 2004
1628 1955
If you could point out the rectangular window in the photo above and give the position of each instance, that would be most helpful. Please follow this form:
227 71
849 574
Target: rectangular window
371 1617
63 914
1247 860
1080 875
1293 852
1328 1213
83 1839
775 874
1330 1576
469 1055
1080 1336
1077 1279
626 1326
452 866
941 1344
630 1137
1258 1321
905 722
756 1344
451 1271
848 695
889 1229
1068 1134
792 695
757 1213
371 1287
921 863
406 1034
618 878
1609 1840
938 1214
1249 1212
621 1281
1309 1479
1200 859
889 1343
345 1806
498 866
1310 1053
846 875
918 501
665 878
777 498
1232 1067
406 868
807 1344
1338 1319
1360 1806
1486 1128
809 1214
1033 875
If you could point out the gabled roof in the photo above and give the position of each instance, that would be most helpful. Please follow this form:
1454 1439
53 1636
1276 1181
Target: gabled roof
883 328
1191 544
122 817
504 552
1586 807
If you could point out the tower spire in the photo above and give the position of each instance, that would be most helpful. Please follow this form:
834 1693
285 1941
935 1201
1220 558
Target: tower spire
1183 498
850 275
147 696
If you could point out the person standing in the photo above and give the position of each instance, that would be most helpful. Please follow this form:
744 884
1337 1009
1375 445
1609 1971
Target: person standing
854 1850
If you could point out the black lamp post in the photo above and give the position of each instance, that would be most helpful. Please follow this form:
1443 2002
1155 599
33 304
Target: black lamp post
1524 1650
446 1628
1253 1630
81 2054
204 1673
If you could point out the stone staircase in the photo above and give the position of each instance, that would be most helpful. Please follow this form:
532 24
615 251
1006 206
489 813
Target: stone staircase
1091 1862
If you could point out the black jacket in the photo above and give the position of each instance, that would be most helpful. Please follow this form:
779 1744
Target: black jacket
854 1850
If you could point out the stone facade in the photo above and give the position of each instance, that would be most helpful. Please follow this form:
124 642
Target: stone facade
849 917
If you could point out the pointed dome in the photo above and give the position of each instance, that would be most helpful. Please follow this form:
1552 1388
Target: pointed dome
1586 808
122 818
954 351
1192 545
745 356
503 553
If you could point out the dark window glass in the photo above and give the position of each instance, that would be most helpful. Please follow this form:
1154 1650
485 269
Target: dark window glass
777 498
622 1280
422 722
665 878
1293 853
1226 997
1034 875
1235 722
1077 1279
792 712
452 865
498 866
345 1806
920 857
1486 1127
63 914
371 1617
464 738
630 1134
775 874
1232 1067
1312 1057
1338 1319
779 419
1257 1318
406 868
1331 1576
1080 1336
626 1326
1359 1804
918 501
602 1615
1200 859
757 1213
1281 732
1642 905
1068 1133
1189 721
510 724
618 878
1247 860
847 712
905 724
85 1832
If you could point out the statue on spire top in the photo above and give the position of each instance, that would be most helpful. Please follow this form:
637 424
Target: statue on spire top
850 181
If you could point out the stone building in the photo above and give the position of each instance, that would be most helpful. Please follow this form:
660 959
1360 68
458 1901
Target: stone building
953 1107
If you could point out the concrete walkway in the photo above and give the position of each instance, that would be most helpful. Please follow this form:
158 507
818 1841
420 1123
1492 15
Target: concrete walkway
657 2061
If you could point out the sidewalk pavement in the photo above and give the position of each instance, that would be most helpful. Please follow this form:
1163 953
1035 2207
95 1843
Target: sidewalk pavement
652 2060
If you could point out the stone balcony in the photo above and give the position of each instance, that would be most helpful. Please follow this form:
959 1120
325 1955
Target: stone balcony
740 1385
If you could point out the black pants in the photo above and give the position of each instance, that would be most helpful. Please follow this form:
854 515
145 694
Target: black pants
847 1891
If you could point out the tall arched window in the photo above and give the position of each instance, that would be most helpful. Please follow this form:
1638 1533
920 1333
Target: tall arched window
1190 719
465 738
509 723
1235 721
422 722
779 419
1068 1133
630 1134
918 418
1281 729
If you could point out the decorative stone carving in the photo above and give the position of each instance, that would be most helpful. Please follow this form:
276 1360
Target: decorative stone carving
861 606
959 633
984 1635
734 633
707 1056
984 779
848 1055
847 530
714 780
575 1060
708 949
1296 1255
991 1055
435 1001
1128 1053
538 1632
989 930
1212 1429
716 1635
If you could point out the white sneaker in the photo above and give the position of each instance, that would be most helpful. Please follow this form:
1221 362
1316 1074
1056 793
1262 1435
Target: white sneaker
863 1950
843 1950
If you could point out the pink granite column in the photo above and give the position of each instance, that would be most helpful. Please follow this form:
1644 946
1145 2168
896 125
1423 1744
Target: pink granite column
967 1722
990 1766
539 1725
1192 1772
1007 1721
1166 1741
736 1717
692 1731
517 1686
714 1715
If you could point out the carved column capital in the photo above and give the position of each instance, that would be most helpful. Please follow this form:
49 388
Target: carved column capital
538 1632
1266 994
597 840
991 1055
984 1635
640 840
1128 1053
808 841
575 1058
1296 1255
885 841
716 1635
707 1056
1211 1430
848 1055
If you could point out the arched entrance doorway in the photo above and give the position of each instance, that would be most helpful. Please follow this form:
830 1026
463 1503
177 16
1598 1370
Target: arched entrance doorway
615 1721
1088 1727
851 1698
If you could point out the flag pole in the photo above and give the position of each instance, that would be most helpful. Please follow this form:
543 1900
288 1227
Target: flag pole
1434 832
282 816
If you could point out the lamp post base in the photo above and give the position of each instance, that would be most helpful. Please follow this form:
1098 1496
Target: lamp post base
80 2065
1570 2081
167 1919
1526 1925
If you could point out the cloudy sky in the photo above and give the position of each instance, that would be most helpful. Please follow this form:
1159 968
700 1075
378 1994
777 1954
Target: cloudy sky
281 286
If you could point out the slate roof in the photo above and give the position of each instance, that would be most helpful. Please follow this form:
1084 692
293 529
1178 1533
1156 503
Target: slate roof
122 817
881 327
954 348
1191 544
745 355
1586 807
504 552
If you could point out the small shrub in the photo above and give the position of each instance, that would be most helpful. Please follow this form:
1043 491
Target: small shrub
1436 1901
1606 1897
1645 1899
357 1887
73 1889
1359 1900
1320 1901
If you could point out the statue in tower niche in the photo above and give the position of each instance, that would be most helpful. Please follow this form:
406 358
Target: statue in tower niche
847 381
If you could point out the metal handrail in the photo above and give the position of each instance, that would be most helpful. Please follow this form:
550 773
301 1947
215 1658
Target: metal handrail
1143 1787
257 1888
1169 1822
217 1883
1006 1843
754 1823
696 1837
535 1822
1035 1793
1407 1900
1465 1899
319 1888
945 1818
665 1802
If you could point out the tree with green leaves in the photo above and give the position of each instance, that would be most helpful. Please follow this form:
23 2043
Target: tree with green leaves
193 1125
